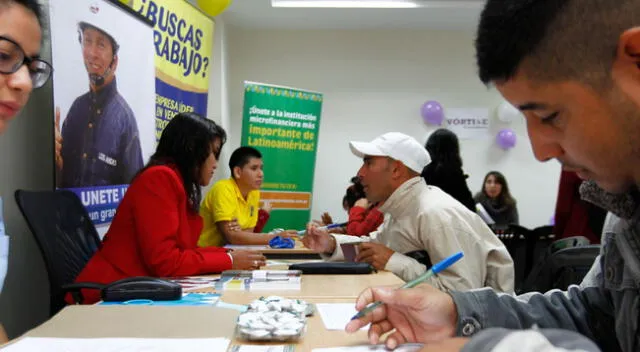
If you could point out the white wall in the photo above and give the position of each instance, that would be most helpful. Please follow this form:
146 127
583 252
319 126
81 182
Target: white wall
218 101
375 82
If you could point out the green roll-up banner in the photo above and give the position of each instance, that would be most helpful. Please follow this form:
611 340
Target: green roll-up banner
283 123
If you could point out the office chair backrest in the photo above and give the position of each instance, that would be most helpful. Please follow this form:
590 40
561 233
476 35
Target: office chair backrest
515 239
64 233
561 268
537 246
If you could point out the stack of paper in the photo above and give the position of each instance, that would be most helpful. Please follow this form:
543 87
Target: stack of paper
190 283
259 280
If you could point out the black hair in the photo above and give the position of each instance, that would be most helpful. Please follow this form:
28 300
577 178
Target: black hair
31 5
241 157
505 196
444 149
186 142
354 192
552 39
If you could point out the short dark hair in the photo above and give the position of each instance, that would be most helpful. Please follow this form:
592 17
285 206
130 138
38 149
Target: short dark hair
552 40
444 148
31 5
241 157
186 142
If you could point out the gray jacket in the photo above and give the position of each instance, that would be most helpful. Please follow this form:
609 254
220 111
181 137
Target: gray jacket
603 311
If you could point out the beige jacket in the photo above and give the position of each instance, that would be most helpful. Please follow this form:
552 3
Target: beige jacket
421 217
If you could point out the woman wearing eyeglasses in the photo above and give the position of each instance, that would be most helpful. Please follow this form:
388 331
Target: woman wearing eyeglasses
21 70
20 66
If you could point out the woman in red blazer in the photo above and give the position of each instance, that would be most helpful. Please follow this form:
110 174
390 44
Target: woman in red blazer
157 225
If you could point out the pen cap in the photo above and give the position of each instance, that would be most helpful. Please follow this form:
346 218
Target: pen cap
438 267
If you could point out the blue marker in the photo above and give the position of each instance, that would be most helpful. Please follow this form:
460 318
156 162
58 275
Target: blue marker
327 227
436 268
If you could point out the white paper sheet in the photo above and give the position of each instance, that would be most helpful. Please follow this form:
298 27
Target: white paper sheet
271 262
31 344
336 316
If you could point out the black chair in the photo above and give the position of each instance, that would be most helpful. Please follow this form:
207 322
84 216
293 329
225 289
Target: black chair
537 244
65 235
515 238
561 268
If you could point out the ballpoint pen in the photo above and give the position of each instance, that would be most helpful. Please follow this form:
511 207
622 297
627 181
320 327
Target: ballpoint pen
436 268
326 227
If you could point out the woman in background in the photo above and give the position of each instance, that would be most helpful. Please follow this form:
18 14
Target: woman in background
21 70
157 225
496 199
364 218
445 169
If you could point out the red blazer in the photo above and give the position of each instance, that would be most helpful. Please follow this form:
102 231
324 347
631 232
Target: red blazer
363 221
153 234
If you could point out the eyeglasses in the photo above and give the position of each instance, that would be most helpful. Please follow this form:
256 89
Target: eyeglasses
12 57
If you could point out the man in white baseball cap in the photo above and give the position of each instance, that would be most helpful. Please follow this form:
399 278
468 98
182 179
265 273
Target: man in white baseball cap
423 224
397 146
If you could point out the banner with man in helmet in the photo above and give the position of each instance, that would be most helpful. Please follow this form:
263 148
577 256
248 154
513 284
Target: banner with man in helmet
104 97
183 44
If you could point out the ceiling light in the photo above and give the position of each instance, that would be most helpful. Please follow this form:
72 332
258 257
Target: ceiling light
380 4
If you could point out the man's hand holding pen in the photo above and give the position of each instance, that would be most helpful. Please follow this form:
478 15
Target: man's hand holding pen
319 239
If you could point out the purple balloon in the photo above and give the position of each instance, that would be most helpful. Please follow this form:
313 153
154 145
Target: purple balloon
552 221
506 138
432 113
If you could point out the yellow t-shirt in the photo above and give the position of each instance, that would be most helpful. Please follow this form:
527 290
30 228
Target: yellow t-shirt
224 202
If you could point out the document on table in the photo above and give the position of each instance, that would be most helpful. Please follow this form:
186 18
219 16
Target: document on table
409 347
50 344
335 316
263 348
247 247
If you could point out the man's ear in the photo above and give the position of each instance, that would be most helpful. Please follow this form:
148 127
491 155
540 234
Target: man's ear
397 168
114 64
237 172
628 54
626 66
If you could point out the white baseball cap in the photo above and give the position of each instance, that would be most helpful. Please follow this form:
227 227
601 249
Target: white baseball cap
397 146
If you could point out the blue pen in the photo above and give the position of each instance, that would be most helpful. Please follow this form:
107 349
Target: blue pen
436 268
327 227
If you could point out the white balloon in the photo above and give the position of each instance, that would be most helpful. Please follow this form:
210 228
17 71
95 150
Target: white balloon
507 112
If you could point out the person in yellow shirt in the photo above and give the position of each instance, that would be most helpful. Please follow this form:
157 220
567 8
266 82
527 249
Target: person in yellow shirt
230 209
